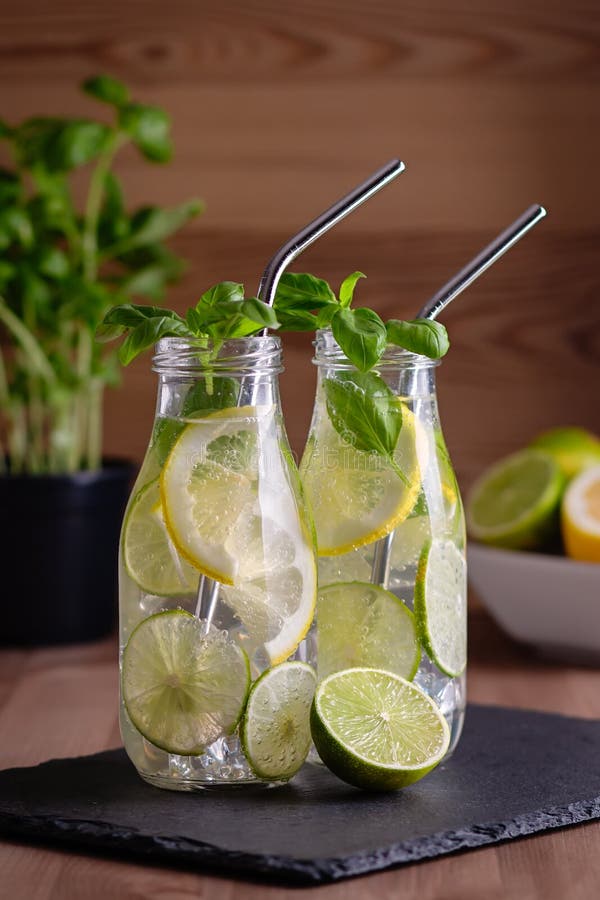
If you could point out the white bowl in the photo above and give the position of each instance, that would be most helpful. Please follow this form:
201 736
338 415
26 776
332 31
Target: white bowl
549 601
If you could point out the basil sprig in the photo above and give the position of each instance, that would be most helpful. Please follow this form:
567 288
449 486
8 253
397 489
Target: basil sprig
306 303
222 312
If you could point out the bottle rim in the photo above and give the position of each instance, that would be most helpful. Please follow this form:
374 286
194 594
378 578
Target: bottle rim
329 353
256 355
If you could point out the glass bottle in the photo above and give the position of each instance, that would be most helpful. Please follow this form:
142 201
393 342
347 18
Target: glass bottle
392 521
217 562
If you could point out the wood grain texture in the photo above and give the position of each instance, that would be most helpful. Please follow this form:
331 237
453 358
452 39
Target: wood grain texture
280 107
62 702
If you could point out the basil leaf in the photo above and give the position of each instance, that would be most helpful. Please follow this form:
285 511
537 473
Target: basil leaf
105 333
149 128
261 313
297 320
153 224
107 89
222 292
361 334
130 316
325 315
74 144
364 411
423 336
148 333
298 290
347 288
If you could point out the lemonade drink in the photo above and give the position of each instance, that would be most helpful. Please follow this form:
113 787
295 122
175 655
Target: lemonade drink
409 617
217 578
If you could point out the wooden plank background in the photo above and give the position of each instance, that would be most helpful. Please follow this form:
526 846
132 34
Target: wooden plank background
280 107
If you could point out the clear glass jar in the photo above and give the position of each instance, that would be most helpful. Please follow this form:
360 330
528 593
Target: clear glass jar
217 562
392 521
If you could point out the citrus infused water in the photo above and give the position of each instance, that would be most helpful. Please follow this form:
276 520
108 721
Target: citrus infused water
390 528
217 578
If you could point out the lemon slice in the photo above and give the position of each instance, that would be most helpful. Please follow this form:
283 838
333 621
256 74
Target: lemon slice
357 497
150 557
237 516
581 516
209 489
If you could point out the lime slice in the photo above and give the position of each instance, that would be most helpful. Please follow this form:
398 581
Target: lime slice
376 730
357 497
441 605
209 489
148 552
275 730
361 624
515 503
574 449
183 688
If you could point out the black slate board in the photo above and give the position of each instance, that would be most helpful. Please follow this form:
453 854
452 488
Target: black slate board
514 773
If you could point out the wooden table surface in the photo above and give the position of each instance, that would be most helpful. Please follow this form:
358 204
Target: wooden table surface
61 702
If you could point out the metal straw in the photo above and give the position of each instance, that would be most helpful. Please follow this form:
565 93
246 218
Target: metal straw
208 590
380 570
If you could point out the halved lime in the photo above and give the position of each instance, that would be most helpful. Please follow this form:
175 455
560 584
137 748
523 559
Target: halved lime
441 605
376 730
275 730
515 503
358 497
149 554
183 688
361 624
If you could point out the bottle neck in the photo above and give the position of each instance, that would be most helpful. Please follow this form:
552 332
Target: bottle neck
197 378
408 375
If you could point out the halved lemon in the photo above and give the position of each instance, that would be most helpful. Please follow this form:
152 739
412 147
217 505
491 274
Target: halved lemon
358 497
581 516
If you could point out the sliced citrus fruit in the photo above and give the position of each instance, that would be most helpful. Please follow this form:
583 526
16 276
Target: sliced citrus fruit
149 554
358 497
183 688
441 605
514 504
376 730
275 730
581 516
361 624
209 489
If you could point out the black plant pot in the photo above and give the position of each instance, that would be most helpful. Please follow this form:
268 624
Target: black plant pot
59 538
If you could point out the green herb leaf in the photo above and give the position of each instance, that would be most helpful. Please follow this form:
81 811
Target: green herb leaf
423 336
153 224
259 312
74 144
107 89
347 288
364 411
361 334
130 315
149 129
52 262
148 333
297 290
297 320
221 293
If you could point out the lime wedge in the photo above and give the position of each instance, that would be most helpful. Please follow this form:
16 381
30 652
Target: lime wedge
358 497
275 729
514 504
441 605
183 688
376 730
361 624
149 554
